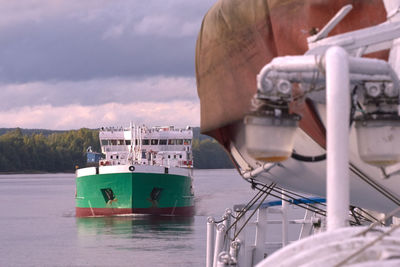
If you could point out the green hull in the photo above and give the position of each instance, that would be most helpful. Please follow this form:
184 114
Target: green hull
125 193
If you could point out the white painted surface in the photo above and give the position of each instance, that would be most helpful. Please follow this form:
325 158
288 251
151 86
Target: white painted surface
85 171
330 248
138 169
338 113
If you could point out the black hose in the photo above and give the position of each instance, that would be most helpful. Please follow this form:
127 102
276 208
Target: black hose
308 158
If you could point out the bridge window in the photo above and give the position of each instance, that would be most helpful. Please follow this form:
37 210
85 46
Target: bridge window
154 142
163 141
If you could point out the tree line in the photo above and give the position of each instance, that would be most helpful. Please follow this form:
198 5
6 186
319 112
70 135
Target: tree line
27 150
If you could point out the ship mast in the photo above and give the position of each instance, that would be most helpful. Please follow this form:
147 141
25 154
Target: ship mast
132 154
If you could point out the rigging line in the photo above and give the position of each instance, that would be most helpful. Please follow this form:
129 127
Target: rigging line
298 201
294 200
354 216
360 216
252 214
314 208
220 221
251 203
366 246
291 192
308 207
248 206
244 210
372 217
372 183
392 213
299 195
294 203
323 204
311 207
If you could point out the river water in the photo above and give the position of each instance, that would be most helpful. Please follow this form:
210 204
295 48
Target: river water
38 226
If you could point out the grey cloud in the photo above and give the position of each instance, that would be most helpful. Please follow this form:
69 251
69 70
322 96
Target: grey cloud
96 92
100 39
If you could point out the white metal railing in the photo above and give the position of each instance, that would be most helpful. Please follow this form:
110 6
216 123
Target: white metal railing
252 244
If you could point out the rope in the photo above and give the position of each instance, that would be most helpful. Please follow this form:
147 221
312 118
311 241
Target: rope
368 245
373 184
252 214
223 219
312 208
245 209
354 215
320 211
377 222
366 218
301 196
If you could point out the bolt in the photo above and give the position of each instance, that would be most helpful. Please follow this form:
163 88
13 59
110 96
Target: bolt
284 87
390 91
373 89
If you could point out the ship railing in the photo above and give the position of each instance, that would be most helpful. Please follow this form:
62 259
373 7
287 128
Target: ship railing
115 148
245 243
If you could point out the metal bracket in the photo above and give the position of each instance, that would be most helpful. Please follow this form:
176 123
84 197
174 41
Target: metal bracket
331 24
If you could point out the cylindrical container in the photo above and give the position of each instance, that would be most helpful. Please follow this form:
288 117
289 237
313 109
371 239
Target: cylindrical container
378 139
270 138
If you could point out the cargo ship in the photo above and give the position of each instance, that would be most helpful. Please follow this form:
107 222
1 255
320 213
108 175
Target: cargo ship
144 171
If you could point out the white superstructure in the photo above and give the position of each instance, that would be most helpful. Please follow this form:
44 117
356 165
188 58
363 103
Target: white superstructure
160 146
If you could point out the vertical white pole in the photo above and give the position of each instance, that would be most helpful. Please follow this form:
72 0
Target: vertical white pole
243 257
261 232
338 112
210 241
285 222
139 129
219 242
392 8
227 223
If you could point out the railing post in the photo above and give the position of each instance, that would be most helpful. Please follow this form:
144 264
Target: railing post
285 221
210 241
219 242
227 223
261 231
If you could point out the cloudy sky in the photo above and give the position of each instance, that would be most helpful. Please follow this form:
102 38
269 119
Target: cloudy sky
67 64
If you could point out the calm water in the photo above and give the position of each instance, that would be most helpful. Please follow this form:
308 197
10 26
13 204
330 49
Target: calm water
38 225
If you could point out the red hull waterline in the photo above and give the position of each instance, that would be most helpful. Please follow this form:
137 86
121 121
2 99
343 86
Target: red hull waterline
175 211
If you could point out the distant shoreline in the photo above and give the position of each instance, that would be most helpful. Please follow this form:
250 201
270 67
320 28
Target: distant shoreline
43 172
33 172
